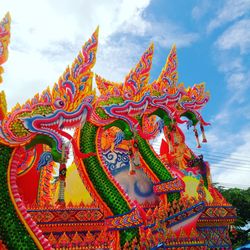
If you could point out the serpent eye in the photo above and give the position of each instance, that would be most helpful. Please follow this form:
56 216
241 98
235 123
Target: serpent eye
59 103
165 90
127 95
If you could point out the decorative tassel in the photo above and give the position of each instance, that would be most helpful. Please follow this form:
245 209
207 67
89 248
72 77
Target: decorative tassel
131 165
137 162
62 177
131 169
204 139
197 138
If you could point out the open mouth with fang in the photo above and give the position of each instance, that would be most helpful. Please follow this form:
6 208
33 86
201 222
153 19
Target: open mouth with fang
53 125
166 100
194 104
129 108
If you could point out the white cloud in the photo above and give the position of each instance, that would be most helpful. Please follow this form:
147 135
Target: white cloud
115 60
26 74
178 37
238 82
133 16
231 47
236 36
236 165
156 32
228 155
46 21
222 118
226 144
47 35
227 64
111 15
236 75
230 11
201 9
244 111
221 140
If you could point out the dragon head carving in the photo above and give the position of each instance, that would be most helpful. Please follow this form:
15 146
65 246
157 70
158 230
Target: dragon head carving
66 105
136 97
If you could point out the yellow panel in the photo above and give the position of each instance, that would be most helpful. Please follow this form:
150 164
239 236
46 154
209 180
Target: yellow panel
75 191
191 187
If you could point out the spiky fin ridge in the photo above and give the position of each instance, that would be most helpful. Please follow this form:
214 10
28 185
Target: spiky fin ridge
136 82
167 80
138 77
107 87
15 108
86 59
4 40
76 81
197 92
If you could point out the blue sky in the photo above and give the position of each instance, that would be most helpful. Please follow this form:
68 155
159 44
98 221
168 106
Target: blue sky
213 46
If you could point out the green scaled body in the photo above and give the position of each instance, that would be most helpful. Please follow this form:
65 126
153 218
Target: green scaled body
105 188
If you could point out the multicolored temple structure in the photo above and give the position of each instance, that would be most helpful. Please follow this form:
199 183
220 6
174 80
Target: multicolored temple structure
118 193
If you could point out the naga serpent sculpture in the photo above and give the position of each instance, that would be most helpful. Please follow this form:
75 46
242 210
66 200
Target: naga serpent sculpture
119 123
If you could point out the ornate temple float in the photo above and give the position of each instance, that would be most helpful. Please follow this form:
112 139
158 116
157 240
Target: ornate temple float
118 193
